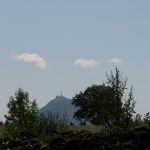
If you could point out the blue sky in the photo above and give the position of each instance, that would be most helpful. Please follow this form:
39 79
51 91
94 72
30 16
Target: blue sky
46 46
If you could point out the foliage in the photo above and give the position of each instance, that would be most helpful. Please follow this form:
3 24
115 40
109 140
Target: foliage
146 119
118 86
106 104
123 108
56 122
24 118
138 121
52 124
95 104
128 107
22 115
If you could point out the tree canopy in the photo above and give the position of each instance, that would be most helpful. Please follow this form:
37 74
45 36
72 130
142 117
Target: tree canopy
23 114
106 104
95 104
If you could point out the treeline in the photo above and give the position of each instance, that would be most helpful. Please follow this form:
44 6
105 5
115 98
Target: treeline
110 104
25 120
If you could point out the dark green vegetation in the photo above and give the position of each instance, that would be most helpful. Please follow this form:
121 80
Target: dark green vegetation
109 108
106 104
86 139
25 120
23 114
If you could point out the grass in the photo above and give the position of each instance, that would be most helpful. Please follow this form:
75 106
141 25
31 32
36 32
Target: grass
87 128
76 128
3 131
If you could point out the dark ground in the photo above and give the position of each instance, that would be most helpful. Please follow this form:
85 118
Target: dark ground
135 139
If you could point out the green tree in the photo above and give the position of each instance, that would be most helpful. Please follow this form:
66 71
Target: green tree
129 111
51 124
146 119
118 85
95 105
123 109
137 120
22 114
106 104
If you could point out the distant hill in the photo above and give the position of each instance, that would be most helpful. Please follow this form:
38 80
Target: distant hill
61 105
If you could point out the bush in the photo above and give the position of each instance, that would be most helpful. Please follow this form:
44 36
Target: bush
22 116
52 124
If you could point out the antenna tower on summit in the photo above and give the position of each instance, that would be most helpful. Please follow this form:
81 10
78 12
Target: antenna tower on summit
61 93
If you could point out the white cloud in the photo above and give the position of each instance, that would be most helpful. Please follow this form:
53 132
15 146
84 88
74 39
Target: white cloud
115 60
86 63
34 58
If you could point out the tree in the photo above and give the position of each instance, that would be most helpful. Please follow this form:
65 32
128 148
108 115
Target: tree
95 105
146 119
106 104
137 120
123 109
22 115
128 107
118 85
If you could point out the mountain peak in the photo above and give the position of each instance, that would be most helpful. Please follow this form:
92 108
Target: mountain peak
60 96
61 105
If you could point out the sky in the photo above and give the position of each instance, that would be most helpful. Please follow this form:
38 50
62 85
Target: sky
49 46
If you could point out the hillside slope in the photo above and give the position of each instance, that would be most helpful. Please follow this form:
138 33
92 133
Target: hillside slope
61 105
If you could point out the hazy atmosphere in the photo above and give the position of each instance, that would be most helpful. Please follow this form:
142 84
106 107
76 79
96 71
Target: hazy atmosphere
49 46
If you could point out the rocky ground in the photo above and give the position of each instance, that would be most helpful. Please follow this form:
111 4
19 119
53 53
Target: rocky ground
135 139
